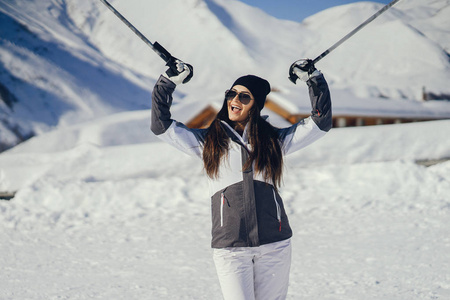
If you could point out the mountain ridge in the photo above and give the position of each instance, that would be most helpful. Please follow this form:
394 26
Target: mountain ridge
67 62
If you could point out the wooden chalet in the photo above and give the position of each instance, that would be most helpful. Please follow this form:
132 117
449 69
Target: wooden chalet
204 118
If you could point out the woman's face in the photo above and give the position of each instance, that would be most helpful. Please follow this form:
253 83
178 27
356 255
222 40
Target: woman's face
238 111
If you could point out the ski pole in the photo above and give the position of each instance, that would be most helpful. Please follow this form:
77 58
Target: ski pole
160 50
350 34
294 77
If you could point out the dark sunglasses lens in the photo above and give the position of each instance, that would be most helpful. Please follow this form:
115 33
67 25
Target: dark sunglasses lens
245 98
230 95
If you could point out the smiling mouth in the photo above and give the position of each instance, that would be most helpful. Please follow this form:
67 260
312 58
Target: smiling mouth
235 109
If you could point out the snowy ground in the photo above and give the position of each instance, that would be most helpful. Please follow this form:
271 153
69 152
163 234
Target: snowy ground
132 221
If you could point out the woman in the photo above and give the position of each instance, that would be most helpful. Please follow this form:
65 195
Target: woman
243 157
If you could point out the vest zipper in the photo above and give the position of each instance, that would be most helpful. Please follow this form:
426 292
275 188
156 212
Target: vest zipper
278 209
222 202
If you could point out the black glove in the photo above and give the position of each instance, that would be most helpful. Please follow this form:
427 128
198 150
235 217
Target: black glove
302 69
178 71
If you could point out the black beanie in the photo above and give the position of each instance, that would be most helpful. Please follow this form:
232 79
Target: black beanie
258 86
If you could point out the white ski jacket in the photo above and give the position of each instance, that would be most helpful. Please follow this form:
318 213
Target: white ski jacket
246 210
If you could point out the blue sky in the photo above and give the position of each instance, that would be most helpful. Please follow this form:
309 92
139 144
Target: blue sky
297 10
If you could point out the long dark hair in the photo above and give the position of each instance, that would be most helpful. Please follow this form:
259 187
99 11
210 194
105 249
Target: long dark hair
265 155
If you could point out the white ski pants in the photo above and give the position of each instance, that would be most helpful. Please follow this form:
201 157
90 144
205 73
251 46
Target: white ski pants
254 273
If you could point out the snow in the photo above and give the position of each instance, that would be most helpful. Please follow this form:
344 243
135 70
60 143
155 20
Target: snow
106 221
104 210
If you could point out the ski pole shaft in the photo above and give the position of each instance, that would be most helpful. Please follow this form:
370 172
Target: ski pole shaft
160 50
350 34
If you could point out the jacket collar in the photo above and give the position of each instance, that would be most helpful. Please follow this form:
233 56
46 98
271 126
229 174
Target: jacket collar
236 137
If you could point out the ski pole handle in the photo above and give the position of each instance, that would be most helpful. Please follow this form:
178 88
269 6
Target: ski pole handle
171 62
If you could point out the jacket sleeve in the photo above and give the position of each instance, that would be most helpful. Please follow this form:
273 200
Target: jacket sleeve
188 140
314 127
320 102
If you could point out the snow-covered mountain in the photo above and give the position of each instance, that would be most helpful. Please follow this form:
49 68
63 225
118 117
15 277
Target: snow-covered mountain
104 210
63 62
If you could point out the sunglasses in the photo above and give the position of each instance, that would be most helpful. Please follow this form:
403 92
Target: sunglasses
244 98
